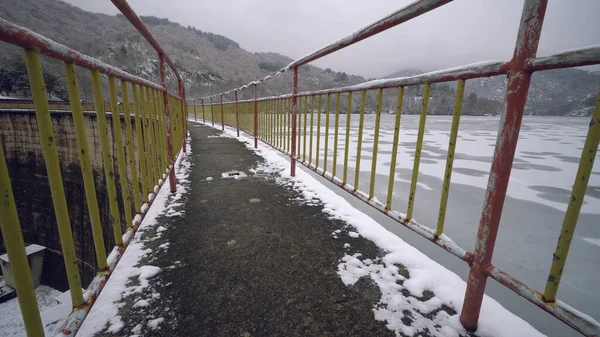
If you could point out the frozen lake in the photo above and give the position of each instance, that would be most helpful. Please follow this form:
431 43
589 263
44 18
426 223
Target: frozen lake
543 172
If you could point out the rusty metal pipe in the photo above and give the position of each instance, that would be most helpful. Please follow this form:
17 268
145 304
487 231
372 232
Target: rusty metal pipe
519 78
130 14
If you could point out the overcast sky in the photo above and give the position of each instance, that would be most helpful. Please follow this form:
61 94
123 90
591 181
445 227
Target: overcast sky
458 33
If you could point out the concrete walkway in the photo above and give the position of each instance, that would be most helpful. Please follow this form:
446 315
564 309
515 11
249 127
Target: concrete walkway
251 259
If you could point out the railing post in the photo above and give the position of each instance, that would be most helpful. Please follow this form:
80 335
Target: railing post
203 116
294 113
237 117
255 118
212 112
195 114
172 186
181 90
519 78
15 248
222 118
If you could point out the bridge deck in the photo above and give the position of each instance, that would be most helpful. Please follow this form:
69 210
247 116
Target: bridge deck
254 261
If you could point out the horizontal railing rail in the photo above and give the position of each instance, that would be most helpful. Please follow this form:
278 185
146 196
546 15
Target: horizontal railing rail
292 124
154 120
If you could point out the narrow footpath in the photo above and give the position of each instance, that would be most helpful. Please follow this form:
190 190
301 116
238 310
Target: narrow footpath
248 258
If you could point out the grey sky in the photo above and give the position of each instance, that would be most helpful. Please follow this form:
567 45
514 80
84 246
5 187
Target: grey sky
461 32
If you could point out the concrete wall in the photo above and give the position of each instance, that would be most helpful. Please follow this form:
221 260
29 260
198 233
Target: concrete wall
20 141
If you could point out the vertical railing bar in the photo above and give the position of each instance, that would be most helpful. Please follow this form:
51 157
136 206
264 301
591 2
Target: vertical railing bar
586 163
299 122
130 147
294 123
147 140
336 132
222 119
460 88
203 115
519 78
318 130
195 114
327 107
312 117
288 125
140 143
109 173
151 142
212 112
167 114
305 125
237 116
283 124
155 141
361 123
267 106
15 249
116 118
347 140
255 118
392 175
417 160
85 164
375 143
161 135
278 124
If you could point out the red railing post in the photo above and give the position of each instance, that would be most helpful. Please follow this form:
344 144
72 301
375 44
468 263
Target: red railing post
237 117
294 112
222 118
168 124
519 78
203 116
255 118
181 90
195 113
212 112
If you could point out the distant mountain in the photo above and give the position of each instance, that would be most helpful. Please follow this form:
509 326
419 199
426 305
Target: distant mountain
560 92
208 62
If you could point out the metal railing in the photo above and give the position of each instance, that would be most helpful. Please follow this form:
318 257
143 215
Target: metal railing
158 122
284 121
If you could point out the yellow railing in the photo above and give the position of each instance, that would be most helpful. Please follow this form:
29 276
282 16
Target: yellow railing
146 143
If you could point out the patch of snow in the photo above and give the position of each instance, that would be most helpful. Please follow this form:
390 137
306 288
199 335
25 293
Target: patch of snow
153 324
141 304
52 312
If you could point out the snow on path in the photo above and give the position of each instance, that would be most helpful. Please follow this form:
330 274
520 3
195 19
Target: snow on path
425 274
105 312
